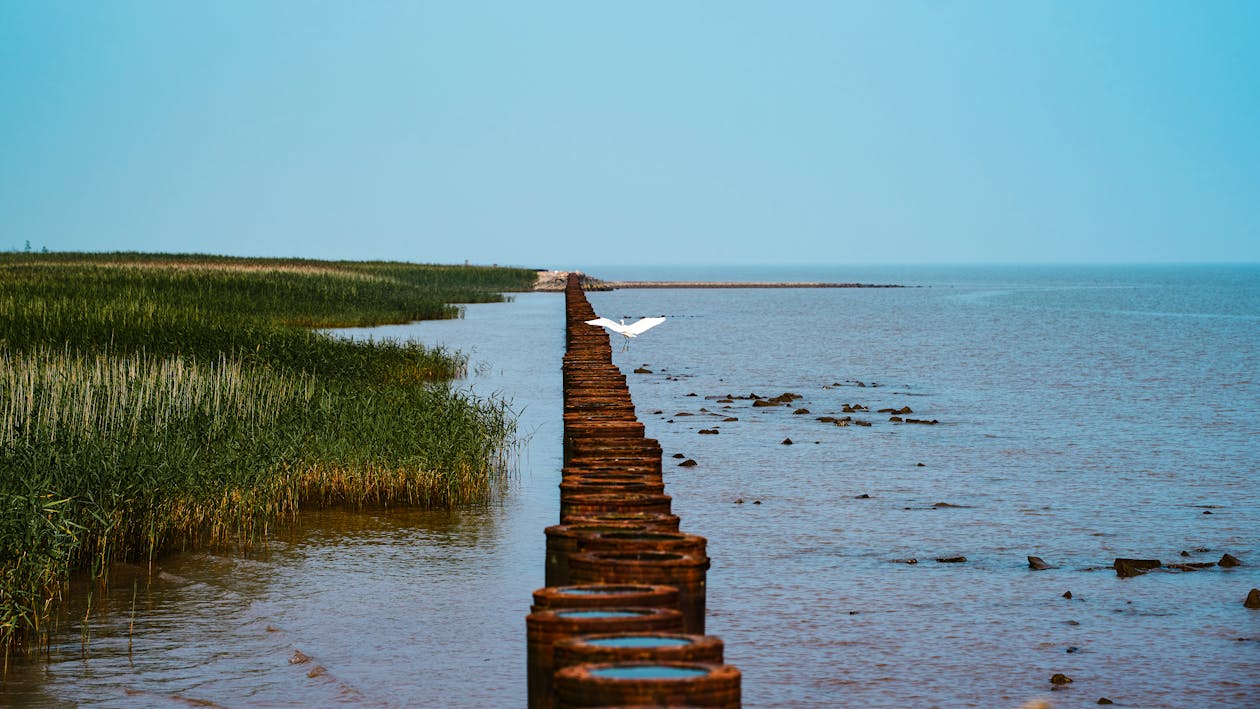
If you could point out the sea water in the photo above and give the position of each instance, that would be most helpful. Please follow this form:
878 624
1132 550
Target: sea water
1083 414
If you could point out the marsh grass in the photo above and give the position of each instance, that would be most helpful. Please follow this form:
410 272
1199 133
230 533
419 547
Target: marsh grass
153 403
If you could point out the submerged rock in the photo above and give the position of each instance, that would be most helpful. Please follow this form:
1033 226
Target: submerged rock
952 560
786 441
1060 678
688 463
1253 599
642 370
1036 563
1128 568
708 431
1228 561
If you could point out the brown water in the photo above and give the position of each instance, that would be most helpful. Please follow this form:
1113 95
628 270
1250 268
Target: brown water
1075 433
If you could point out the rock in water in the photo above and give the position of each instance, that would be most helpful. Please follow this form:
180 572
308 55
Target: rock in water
1229 561
1253 599
688 463
786 441
1036 563
1060 678
1128 568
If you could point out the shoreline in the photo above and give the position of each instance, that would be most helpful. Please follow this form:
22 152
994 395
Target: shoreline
614 285
554 281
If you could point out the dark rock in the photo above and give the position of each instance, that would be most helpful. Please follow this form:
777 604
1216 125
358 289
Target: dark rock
642 370
1253 599
952 559
886 411
1185 553
693 394
1072 649
905 410
1228 561
1201 550
863 496
946 505
1036 563
1104 700
728 419
658 411
684 413
1207 512
1128 568
895 419
919 465
1067 595
739 500
786 442
688 463
756 502
798 412
905 561
826 419
679 455
708 432
1060 678
931 422
861 423
761 403
1189 567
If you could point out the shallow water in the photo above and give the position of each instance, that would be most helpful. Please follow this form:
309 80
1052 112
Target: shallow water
1085 414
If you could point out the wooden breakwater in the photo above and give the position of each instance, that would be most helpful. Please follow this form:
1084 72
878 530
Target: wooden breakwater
621 620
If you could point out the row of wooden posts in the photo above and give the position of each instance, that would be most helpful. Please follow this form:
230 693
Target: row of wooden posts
621 620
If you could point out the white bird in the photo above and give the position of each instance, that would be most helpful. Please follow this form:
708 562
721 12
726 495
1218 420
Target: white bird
634 329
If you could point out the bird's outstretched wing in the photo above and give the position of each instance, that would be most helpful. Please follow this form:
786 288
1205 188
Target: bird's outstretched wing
610 324
641 326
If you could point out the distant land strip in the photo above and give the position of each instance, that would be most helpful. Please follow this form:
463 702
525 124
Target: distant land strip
554 281
614 285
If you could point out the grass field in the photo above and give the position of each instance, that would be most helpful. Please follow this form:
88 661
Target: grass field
158 402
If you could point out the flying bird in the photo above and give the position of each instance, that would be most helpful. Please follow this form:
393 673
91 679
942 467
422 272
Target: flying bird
634 329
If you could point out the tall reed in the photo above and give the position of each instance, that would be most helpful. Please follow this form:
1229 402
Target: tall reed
151 403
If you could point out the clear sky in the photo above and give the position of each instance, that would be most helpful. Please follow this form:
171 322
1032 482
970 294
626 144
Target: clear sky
557 133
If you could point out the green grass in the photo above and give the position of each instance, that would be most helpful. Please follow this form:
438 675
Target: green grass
150 403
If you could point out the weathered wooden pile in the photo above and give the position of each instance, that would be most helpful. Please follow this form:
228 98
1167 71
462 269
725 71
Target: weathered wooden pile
621 620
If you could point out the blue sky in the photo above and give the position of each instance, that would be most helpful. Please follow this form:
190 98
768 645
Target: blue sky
556 134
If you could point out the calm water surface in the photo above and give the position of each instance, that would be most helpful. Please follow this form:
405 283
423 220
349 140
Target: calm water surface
1084 414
